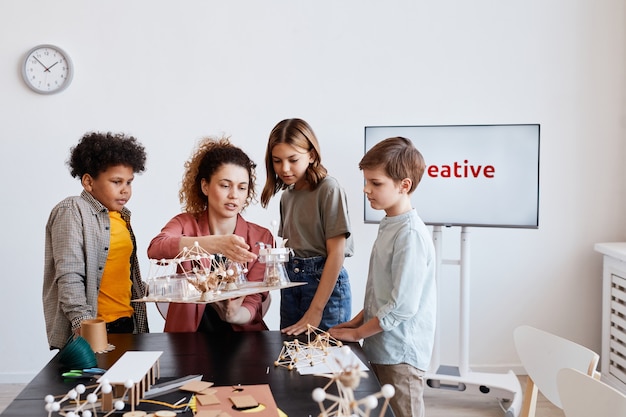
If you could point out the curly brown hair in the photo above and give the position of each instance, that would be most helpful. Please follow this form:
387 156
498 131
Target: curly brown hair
210 154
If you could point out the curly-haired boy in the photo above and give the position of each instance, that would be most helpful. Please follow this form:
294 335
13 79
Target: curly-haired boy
91 268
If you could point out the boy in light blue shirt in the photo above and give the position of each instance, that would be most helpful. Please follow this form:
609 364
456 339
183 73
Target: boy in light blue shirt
398 319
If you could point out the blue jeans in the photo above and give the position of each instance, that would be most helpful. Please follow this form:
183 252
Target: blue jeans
295 301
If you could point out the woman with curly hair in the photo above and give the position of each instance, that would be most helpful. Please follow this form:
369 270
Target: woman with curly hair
218 184
91 268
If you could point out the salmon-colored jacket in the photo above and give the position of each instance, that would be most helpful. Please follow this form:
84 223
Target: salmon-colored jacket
185 317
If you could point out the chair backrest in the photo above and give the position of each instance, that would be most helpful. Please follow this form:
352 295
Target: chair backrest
585 396
162 307
543 354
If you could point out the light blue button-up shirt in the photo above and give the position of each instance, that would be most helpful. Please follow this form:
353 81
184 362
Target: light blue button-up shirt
401 291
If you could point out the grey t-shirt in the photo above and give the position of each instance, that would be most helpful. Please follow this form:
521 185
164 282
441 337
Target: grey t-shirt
310 217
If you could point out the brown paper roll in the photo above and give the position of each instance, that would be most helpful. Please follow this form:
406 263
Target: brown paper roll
95 332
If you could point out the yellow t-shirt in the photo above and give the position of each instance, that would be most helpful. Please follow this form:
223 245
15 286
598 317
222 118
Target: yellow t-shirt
115 288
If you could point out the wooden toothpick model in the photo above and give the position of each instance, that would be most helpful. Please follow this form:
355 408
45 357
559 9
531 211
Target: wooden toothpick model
208 274
125 382
344 404
313 352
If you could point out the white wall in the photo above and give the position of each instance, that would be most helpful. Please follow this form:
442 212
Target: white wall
170 72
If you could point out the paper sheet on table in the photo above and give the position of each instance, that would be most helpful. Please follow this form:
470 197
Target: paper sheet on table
331 362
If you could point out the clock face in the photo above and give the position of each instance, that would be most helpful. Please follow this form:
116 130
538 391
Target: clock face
47 69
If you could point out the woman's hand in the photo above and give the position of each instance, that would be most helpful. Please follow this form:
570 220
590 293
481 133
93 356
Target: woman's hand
232 246
231 310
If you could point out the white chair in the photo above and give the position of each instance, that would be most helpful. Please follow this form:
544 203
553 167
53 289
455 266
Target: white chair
543 355
162 308
585 396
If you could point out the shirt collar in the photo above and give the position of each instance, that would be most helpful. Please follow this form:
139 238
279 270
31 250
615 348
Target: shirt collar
99 207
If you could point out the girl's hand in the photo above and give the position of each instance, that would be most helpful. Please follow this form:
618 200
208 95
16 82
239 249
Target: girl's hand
309 318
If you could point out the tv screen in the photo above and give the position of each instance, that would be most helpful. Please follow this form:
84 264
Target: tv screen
476 175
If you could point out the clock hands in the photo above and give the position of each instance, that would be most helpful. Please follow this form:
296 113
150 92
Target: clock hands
46 69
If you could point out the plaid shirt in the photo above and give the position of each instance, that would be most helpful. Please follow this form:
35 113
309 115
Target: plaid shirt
76 249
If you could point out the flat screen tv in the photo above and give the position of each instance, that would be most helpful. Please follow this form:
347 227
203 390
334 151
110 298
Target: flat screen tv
476 175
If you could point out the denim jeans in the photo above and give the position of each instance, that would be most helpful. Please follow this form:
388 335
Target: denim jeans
295 301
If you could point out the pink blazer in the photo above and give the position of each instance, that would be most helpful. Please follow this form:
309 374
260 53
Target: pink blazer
186 317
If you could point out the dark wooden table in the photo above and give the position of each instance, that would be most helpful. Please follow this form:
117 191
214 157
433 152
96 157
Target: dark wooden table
229 359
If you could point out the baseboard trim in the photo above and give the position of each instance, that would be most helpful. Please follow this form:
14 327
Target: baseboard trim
16 378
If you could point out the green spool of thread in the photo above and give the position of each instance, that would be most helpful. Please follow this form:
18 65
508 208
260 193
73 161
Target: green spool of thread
77 354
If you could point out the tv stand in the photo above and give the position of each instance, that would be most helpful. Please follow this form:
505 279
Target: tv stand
503 387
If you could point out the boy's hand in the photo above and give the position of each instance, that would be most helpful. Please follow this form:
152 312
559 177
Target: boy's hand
344 333
347 325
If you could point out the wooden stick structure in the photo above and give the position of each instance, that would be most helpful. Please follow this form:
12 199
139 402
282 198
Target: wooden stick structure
313 352
126 381
345 404
197 276
207 273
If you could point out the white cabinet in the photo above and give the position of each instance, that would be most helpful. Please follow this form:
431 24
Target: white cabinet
613 355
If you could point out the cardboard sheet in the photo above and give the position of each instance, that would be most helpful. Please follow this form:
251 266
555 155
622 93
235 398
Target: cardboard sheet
244 395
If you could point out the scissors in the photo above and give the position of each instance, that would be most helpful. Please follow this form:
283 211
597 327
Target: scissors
83 373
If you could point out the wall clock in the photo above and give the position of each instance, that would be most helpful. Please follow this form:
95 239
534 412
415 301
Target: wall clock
47 69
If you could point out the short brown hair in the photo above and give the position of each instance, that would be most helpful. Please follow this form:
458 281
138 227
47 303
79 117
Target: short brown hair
398 157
